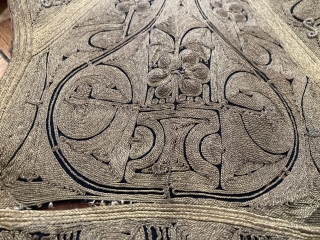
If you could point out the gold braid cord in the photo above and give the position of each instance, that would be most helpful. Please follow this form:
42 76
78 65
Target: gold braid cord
167 119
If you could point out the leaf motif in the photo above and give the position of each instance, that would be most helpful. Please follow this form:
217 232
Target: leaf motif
169 26
179 23
201 72
156 76
191 86
199 45
164 89
259 33
160 44
106 39
199 49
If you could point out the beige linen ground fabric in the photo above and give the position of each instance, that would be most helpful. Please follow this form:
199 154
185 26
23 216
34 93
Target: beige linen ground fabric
176 119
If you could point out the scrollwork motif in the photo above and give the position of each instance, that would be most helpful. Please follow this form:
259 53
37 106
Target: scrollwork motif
204 121
309 23
303 16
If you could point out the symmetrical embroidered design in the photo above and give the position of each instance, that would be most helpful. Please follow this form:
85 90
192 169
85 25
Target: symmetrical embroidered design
159 101
133 132
167 100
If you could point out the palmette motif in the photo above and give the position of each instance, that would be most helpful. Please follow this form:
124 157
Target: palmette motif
198 109
149 133
162 102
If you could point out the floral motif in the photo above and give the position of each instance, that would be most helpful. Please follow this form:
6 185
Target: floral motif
185 71
231 9
139 5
